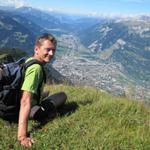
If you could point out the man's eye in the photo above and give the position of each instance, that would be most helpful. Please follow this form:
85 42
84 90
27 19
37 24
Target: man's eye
50 49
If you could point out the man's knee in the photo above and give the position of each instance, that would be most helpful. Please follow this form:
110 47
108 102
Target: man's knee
63 96
58 99
36 113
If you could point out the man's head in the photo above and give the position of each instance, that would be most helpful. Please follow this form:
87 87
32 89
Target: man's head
45 47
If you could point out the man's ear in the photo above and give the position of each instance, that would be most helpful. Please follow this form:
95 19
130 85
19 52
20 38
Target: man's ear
36 50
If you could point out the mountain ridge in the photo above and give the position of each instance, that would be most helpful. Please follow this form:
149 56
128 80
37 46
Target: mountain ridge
121 42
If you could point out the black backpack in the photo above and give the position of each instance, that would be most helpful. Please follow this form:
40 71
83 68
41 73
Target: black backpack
11 79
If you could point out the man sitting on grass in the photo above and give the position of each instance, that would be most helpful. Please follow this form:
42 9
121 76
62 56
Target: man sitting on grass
44 51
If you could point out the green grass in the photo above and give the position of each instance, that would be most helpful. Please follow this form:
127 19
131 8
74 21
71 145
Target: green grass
90 120
2 56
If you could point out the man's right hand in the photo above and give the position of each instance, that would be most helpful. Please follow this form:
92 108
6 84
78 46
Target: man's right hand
26 141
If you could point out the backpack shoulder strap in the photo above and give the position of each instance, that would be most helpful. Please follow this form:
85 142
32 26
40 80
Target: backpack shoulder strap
30 63
35 61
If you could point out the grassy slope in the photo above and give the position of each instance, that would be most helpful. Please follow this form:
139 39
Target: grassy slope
91 120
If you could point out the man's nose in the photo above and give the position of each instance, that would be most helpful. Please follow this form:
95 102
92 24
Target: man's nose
51 53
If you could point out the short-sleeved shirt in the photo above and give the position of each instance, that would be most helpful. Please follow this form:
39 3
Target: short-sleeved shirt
32 80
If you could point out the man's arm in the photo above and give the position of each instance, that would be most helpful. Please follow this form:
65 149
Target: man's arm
25 106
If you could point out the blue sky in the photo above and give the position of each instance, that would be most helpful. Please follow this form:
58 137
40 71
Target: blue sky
87 6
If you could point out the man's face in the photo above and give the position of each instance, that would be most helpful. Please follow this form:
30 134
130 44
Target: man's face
46 51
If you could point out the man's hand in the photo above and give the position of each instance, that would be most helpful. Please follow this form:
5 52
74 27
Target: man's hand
26 141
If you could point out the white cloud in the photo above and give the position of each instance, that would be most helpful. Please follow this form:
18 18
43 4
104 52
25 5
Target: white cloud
15 3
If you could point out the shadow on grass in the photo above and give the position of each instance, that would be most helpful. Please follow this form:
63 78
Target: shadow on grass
65 110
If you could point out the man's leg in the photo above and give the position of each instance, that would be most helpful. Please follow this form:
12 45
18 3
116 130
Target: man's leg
57 100
48 107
